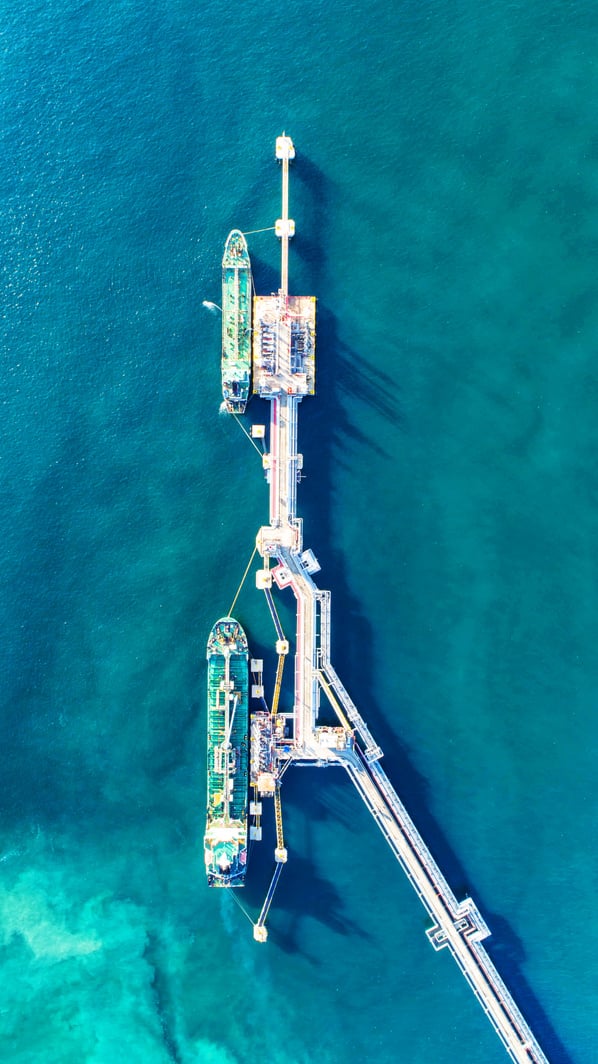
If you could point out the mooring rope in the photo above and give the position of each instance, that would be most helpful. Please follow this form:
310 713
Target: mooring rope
250 232
250 438
230 612
240 904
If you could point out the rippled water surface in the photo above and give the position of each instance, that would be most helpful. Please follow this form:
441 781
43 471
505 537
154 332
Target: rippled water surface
444 194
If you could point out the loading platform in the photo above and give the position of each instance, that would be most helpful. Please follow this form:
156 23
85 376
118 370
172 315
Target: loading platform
283 373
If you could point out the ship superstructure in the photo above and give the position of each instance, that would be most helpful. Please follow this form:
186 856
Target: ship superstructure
225 841
236 323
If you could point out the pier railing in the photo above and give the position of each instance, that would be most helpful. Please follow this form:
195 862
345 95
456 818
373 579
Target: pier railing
458 925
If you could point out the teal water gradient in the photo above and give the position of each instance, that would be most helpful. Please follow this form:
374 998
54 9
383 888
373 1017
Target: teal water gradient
445 200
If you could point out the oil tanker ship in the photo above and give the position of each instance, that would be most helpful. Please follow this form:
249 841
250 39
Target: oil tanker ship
225 840
236 323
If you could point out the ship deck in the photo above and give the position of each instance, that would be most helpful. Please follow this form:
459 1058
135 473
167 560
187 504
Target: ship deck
238 739
236 317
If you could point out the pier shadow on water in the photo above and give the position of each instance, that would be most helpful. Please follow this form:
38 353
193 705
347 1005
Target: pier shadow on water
303 892
341 372
344 378
313 192
352 656
507 952
321 440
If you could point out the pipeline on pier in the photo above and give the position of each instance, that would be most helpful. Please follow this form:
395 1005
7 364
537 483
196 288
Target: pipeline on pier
283 373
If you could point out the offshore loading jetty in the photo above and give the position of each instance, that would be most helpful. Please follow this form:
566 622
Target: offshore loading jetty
283 362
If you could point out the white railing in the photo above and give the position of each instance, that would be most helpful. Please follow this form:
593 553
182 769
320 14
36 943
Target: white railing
373 751
462 936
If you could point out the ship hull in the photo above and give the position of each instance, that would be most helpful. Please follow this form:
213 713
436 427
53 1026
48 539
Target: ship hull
236 323
225 840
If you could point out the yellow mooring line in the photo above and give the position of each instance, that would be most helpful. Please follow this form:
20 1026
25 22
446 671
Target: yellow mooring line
250 438
230 612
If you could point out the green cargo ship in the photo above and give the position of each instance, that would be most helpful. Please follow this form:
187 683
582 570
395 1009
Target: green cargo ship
236 323
225 841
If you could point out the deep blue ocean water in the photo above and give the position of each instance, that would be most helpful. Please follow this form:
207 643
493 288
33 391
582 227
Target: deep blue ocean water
445 194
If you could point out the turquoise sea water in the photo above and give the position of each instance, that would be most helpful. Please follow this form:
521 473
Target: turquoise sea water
445 194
